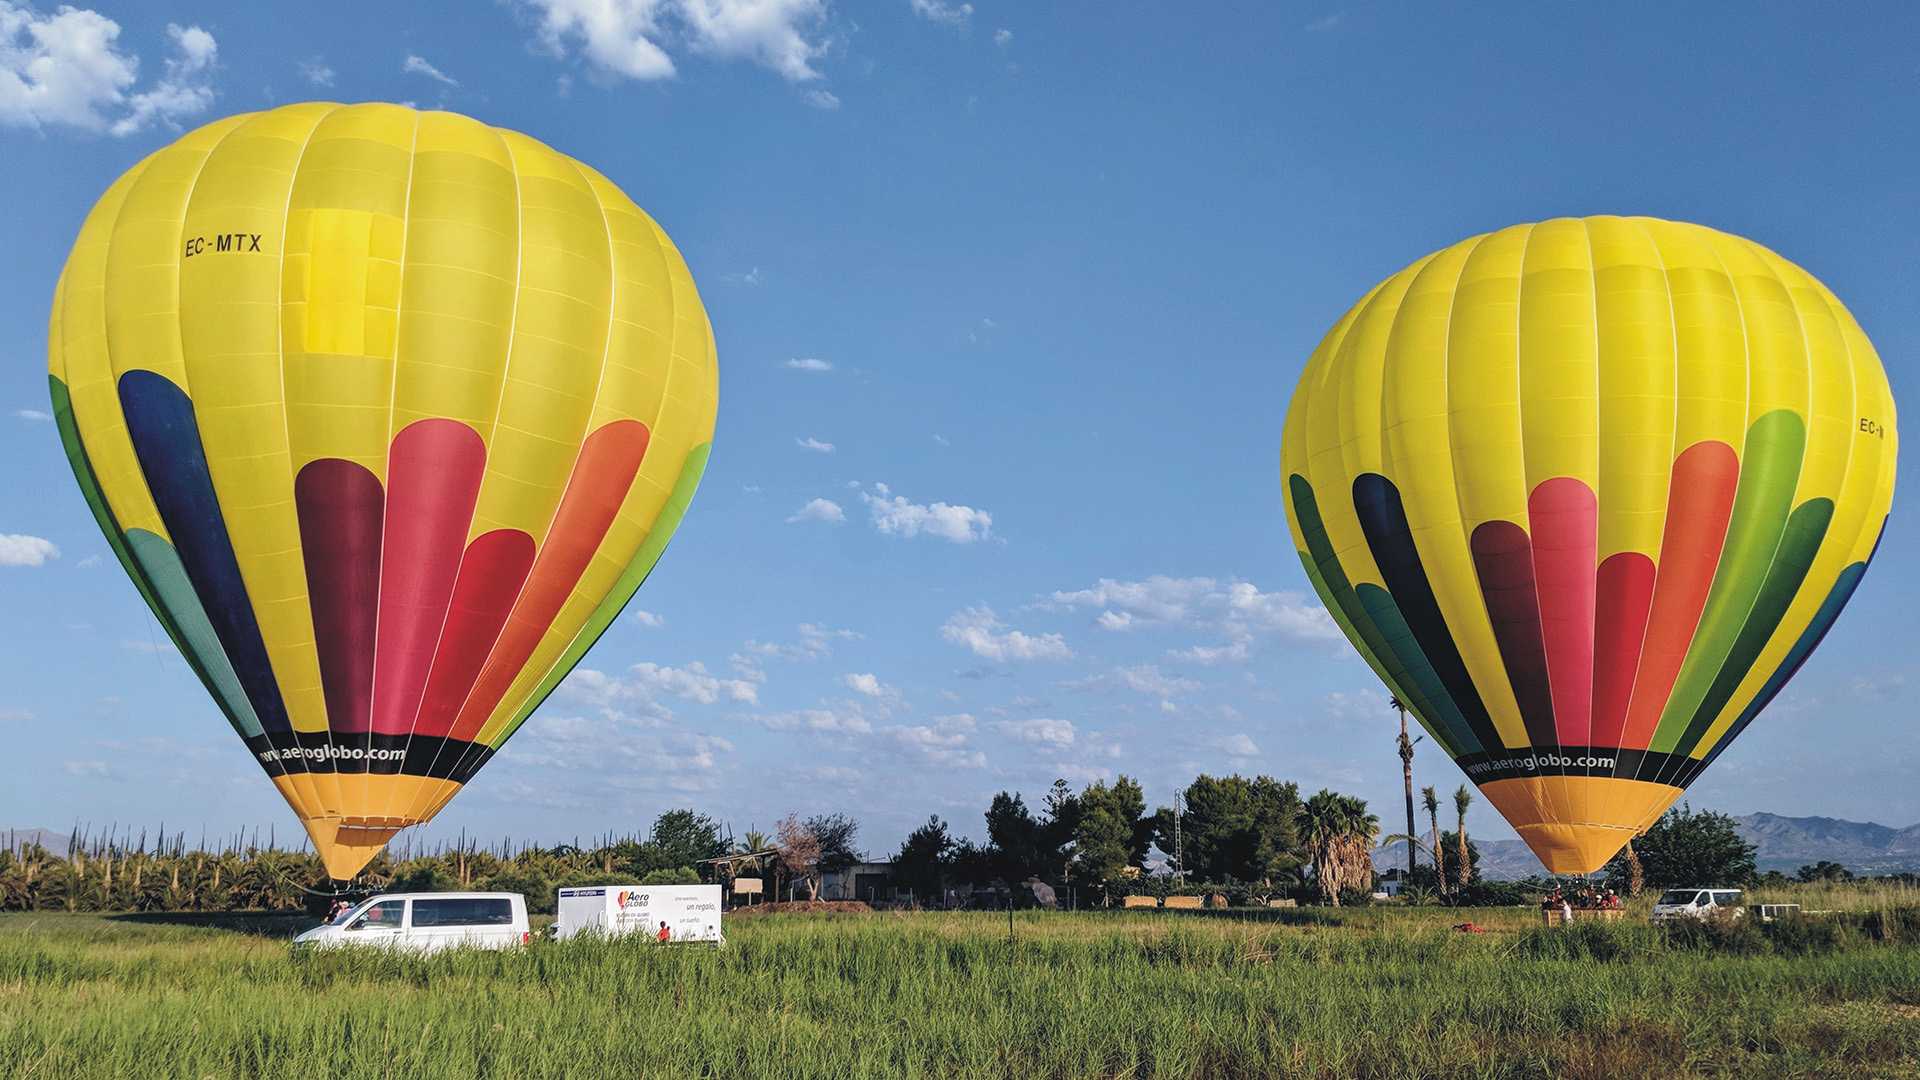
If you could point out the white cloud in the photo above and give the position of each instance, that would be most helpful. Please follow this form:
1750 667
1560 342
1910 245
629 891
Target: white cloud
942 439
18 549
819 510
1235 652
67 70
1237 745
941 11
944 742
869 685
815 445
416 64
9 715
88 563
895 516
35 415
1237 611
749 278
816 643
1156 599
848 721
809 363
88 768
693 683
649 619
1325 22
980 630
1048 732
1003 37
629 38
317 71
825 100
1145 679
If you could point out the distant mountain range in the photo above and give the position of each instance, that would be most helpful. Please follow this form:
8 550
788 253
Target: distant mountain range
1785 844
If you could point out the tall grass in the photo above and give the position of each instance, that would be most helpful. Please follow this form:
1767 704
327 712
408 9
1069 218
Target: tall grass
1362 994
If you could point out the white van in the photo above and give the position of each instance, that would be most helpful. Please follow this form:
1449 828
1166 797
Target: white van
1695 903
428 922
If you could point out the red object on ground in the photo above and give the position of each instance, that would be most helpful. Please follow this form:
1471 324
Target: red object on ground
1469 928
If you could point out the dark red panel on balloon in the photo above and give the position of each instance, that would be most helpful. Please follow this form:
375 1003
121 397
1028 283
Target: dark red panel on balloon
1565 536
1503 558
495 568
1624 597
339 504
434 470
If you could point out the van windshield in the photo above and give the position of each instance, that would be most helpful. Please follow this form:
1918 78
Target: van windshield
1679 896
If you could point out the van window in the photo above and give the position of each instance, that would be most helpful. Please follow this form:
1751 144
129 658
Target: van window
1726 899
383 915
475 911
1679 896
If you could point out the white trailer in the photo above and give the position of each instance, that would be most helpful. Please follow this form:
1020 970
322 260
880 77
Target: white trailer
685 912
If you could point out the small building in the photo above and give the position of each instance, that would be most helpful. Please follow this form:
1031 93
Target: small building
869 881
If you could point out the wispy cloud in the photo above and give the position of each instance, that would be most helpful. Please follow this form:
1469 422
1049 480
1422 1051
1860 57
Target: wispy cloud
316 71
894 515
416 64
980 631
630 39
819 510
68 70
1003 37
19 549
815 445
648 619
1039 730
35 415
815 642
824 100
941 11
810 363
748 278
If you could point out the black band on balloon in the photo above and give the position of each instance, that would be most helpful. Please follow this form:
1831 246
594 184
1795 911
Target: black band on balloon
368 752
1604 761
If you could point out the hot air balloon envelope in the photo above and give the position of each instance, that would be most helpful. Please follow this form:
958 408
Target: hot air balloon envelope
387 414
1585 494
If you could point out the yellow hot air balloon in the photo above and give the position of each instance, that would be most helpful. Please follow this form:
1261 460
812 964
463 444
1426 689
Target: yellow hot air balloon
387 414
1585 494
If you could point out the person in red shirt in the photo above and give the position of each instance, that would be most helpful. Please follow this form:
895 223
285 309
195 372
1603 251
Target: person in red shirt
664 935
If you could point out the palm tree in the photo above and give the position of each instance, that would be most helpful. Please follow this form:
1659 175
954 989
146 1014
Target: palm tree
1406 774
1463 867
1431 801
1339 834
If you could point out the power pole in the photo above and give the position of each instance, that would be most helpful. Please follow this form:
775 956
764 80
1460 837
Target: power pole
1406 772
1179 862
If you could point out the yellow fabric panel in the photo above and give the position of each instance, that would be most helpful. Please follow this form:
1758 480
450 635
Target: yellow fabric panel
1483 383
340 284
1359 366
230 337
1710 348
142 299
1420 464
646 266
1877 407
89 373
1637 386
1559 356
1777 363
1840 464
560 317
1326 467
462 258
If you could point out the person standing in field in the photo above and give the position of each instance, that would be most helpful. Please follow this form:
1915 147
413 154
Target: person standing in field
664 935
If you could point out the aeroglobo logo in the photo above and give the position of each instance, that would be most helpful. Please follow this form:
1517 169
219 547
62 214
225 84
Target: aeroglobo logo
635 899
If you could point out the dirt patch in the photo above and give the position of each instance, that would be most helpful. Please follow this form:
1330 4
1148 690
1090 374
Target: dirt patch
804 907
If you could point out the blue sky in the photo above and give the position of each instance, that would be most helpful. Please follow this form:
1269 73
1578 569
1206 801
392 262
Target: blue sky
1021 291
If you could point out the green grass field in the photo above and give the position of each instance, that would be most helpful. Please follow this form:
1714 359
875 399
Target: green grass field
1371 993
